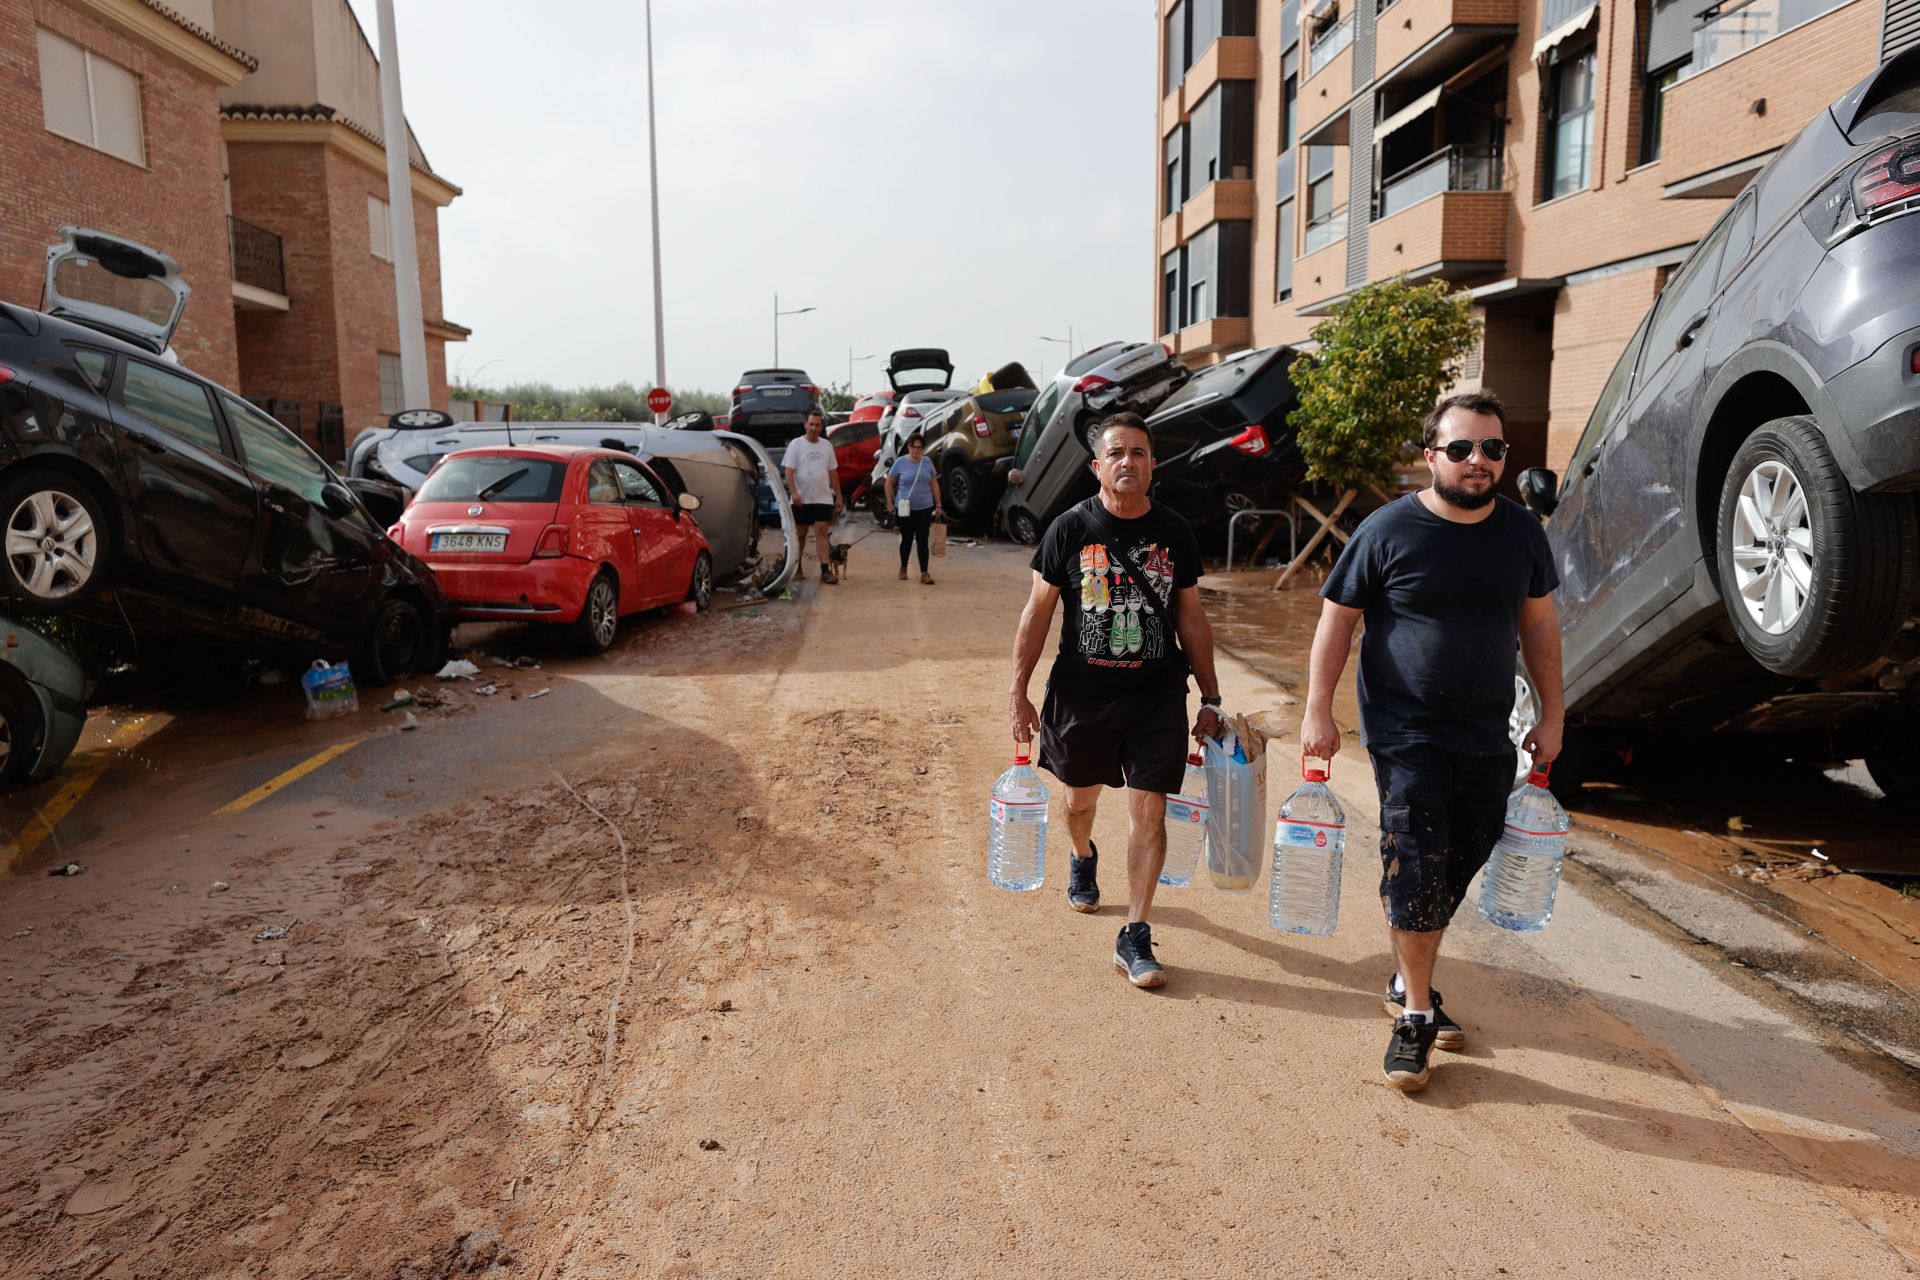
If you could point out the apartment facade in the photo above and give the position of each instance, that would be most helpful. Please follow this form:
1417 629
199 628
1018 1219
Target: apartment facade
241 137
1553 158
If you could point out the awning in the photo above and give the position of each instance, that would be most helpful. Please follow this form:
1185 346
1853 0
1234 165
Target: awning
1572 26
1407 114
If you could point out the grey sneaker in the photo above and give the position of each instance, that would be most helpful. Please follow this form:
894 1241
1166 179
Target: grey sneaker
1083 891
1406 1063
1449 1034
1133 955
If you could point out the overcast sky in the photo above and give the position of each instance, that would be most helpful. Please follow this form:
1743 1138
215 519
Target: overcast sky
961 173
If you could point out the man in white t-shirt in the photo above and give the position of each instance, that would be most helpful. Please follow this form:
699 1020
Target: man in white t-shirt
811 474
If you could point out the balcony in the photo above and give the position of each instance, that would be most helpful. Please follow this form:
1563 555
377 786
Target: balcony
1329 44
1448 169
259 267
1420 40
1326 229
1735 28
1221 333
1449 234
1224 200
1319 276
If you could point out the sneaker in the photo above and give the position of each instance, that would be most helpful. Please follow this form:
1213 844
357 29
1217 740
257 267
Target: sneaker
826 574
926 579
903 573
1406 1064
800 574
1449 1035
1083 891
1133 953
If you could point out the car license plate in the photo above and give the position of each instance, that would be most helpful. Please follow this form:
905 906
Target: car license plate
469 542
1136 364
776 391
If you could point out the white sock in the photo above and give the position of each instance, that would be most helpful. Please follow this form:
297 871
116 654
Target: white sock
1399 985
1424 1015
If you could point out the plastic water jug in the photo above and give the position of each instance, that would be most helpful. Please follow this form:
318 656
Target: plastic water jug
1186 826
1308 840
1522 876
1017 839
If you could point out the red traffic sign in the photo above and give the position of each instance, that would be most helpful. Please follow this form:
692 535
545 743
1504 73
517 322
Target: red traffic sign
659 400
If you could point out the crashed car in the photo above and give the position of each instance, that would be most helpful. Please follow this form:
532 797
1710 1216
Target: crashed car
209 521
1222 444
970 441
1738 534
41 704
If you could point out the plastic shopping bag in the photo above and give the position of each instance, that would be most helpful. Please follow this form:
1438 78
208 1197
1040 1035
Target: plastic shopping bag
1237 809
329 690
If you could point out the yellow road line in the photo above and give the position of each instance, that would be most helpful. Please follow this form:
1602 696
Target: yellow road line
49 815
291 776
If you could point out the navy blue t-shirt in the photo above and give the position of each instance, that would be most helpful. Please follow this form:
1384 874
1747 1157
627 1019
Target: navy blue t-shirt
1442 602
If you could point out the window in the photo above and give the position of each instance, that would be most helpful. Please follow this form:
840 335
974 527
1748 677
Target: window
1220 135
89 99
603 487
1290 25
1203 141
494 479
1201 252
1687 292
1037 419
1290 99
1177 60
1319 182
1219 272
1176 186
1211 19
1653 108
393 395
1170 293
636 487
95 366
273 454
1739 237
1569 165
168 400
379 229
1283 252
1612 395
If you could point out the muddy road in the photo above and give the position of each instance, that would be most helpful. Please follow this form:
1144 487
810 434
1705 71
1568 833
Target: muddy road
688 967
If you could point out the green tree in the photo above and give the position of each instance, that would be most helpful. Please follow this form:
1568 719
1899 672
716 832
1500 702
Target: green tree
1384 357
621 402
837 398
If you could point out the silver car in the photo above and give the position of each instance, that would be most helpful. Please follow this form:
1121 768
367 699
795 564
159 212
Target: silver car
1050 471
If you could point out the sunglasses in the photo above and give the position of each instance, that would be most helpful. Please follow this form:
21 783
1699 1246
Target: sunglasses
1492 449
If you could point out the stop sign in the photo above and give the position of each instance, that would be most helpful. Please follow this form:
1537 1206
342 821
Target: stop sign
659 400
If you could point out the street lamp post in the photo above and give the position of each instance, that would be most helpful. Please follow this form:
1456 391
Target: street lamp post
1066 342
777 313
653 177
850 362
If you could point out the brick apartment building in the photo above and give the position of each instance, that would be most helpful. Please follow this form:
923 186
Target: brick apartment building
241 137
1556 158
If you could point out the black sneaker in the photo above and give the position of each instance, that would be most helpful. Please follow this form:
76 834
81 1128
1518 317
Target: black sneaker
1133 953
1406 1064
1449 1035
1083 891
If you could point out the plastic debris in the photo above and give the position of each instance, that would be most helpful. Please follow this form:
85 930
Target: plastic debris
457 669
329 689
272 933
487 690
220 886
399 700
66 869
538 693
1823 857
411 723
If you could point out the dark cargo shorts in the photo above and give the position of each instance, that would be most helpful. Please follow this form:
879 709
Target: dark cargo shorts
1440 816
1136 740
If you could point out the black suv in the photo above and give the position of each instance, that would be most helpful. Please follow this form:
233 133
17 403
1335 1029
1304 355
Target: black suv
772 405
212 521
1738 537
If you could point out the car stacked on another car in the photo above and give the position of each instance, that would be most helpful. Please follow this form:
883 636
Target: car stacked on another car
856 443
1738 535
921 378
1222 444
771 406
971 440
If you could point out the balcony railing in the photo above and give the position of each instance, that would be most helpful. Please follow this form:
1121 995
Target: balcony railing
1448 169
256 256
1735 28
1329 228
1555 12
1328 43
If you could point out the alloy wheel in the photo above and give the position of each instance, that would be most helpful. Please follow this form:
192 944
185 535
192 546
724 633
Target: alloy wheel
960 490
1773 548
606 616
400 642
51 544
1520 720
702 593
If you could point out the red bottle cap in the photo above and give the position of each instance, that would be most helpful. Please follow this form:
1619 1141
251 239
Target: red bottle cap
1537 776
1193 757
1315 775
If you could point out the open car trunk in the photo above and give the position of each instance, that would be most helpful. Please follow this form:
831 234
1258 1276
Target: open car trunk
116 285
919 369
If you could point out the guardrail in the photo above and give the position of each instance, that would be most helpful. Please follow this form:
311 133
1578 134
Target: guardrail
1329 228
257 256
1448 169
1735 28
1328 43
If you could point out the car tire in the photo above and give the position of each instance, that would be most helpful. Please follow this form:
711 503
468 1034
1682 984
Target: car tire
39 508
22 730
1815 577
700 584
1572 767
400 642
1090 429
1022 527
961 489
599 621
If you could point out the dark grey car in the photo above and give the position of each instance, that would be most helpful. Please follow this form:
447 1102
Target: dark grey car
1738 537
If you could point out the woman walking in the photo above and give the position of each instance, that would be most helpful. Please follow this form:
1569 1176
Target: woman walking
914 482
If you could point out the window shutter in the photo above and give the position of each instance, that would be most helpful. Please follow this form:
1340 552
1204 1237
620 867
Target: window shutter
379 229
63 88
1899 28
116 111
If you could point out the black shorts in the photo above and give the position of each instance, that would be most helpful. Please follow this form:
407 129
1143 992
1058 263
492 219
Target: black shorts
1440 816
806 513
1135 740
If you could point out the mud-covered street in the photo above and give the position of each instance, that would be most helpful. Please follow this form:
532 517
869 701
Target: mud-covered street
688 967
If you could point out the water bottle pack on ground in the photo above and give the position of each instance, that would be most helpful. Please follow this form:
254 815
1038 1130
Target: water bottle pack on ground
1017 828
1186 826
1309 839
1523 875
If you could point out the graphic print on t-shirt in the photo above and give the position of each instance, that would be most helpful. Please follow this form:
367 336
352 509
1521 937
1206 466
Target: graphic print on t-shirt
1117 629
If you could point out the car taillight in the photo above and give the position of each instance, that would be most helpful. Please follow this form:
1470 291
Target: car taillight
982 428
810 389
909 413
1169 350
6 375
1253 440
1887 176
553 542
1091 382
740 391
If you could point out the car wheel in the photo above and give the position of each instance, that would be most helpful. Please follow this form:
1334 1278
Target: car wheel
1815 576
1090 432
399 643
593 631
962 491
1023 527
1524 715
22 729
56 542
1571 768
700 586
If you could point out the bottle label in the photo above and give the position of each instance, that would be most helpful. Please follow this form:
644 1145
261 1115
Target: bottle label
1182 809
1018 811
1317 834
1534 844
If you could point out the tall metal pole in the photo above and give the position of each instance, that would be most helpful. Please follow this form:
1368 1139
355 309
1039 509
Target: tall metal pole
406 258
653 174
776 331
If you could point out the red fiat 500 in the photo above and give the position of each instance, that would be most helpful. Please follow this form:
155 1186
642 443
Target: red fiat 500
557 534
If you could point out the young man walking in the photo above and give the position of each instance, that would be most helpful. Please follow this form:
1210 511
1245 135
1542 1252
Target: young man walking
1448 580
1116 704
812 480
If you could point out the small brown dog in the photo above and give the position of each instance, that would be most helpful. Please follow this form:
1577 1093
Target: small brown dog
837 552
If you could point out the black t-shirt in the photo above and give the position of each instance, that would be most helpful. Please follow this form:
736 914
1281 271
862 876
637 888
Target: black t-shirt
1117 579
1442 603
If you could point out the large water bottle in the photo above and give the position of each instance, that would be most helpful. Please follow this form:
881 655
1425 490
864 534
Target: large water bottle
1186 827
1522 876
1017 842
1308 841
